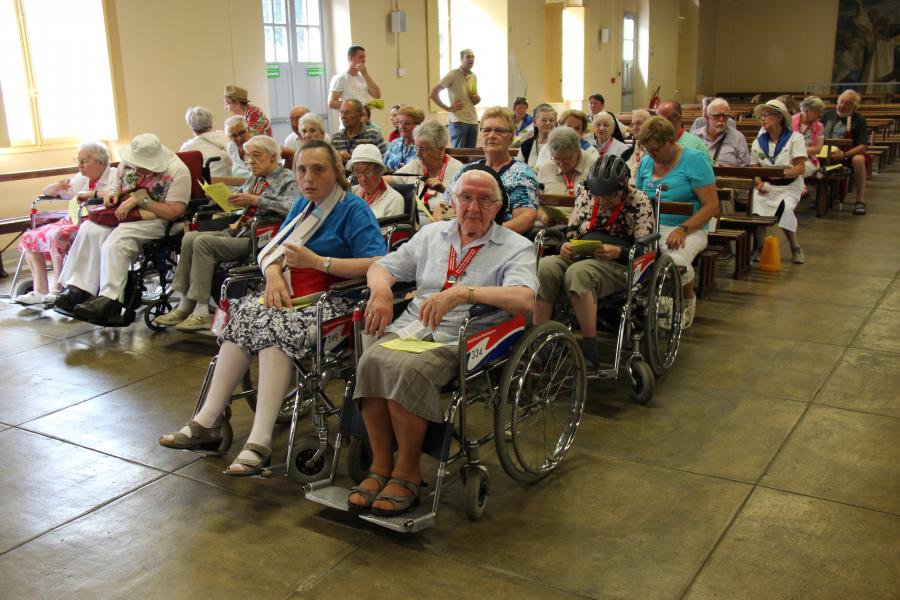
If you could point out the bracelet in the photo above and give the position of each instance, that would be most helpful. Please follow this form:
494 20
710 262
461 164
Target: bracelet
685 229
471 295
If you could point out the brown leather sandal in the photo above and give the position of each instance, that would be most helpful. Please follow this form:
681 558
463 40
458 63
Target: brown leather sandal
401 504
255 465
201 438
367 495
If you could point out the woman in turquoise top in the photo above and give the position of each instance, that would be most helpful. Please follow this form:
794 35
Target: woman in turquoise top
689 178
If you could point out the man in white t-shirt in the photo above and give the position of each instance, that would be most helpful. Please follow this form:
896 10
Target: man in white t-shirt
355 83
296 114
462 86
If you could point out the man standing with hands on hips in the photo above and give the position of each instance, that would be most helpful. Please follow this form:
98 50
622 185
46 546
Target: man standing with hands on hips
462 86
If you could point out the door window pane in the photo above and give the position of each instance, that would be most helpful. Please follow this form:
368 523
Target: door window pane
267 11
278 13
628 50
281 45
315 44
628 32
270 43
302 45
312 12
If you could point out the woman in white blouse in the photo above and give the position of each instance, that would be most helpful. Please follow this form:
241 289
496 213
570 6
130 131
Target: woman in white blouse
779 146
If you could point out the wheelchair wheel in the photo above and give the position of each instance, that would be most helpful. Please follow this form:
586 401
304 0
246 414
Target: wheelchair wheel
663 319
475 491
157 309
227 436
22 287
359 459
304 449
285 414
541 402
642 382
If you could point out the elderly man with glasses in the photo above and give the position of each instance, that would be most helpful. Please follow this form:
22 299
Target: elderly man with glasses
726 145
239 134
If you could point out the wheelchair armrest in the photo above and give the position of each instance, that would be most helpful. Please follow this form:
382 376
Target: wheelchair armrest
245 270
399 289
481 310
648 240
48 198
393 220
351 285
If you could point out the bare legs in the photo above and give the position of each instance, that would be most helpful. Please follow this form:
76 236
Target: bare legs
858 164
38 268
386 421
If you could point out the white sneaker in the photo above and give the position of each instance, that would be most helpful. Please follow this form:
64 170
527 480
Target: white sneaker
50 298
31 297
690 309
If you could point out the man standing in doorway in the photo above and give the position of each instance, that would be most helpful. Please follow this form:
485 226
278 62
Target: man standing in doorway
462 87
355 83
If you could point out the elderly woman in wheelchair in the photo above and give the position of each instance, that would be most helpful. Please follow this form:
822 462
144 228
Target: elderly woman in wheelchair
329 235
455 264
267 195
612 216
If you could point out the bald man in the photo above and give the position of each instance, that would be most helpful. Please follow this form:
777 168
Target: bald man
671 111
296 114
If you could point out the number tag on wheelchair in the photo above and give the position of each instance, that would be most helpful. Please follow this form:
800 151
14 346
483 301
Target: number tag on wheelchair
493 343
264 236
642 265
219 321
335 332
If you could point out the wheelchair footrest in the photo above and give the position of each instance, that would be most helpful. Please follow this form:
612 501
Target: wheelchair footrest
332 496
335 496
122 321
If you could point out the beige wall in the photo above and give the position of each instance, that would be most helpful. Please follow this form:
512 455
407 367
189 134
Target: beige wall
553 65
688 30
528 56
746 58
603 60
706 48
664 33
370 28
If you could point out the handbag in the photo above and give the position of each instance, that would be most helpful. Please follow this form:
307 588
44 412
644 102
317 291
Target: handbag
106 215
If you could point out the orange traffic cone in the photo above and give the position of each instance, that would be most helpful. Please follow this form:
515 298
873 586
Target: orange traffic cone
770 260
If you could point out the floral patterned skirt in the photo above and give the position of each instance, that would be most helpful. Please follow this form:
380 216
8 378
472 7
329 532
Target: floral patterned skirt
255 327
53 239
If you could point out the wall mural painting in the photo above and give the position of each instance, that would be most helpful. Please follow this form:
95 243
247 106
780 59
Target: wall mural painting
867 47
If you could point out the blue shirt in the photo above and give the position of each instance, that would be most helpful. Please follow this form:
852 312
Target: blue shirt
521 186
350 231
507 259
398 155
692 171
527 122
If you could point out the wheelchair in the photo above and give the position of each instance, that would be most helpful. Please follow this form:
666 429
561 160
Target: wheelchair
149 280
332 357
533 380
646 317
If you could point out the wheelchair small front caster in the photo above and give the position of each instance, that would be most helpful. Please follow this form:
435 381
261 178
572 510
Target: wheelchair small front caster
642 382
298 467
157 309
475 491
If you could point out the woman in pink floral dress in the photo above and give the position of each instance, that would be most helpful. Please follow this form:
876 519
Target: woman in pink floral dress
54 239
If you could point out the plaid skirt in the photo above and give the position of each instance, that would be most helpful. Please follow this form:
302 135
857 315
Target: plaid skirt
412 380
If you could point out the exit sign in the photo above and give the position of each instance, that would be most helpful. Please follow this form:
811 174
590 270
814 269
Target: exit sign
273 70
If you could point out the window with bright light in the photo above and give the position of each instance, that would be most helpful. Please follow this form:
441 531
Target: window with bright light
628 39
55 71
280 17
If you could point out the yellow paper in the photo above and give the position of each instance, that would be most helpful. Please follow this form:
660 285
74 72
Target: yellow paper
220 193
585 246
301 302
376 103
424 209
411 345
823 152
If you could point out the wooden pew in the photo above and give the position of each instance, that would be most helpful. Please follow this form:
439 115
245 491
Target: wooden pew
742 178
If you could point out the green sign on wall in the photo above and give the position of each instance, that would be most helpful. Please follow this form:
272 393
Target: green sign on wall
273 70
315 70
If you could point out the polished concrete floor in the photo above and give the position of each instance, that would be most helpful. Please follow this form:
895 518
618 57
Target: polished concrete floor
767 466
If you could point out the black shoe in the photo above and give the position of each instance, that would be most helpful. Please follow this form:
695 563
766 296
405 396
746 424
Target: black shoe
71 297
100 308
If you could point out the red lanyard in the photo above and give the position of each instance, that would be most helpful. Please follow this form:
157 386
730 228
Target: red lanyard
375 196
454 271
606 146
570 185
612 218
426 196
259 186
680 133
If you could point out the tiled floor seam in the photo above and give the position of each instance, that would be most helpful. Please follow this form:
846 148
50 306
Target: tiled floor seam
831 500
91 510
857 411
321 576
757 484
109 454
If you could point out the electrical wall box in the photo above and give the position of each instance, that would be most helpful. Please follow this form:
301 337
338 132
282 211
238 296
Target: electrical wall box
604 35
398 21
401 72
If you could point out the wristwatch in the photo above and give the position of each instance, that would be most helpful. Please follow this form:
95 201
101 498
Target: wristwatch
684 227
145 201
326 264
